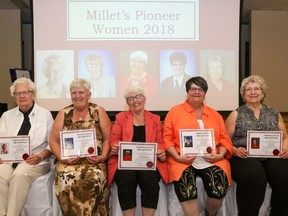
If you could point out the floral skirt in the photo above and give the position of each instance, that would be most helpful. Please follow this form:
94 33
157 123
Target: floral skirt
81 189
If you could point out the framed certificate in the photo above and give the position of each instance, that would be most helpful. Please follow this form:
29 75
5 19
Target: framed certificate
196 142
78 143
15 149
264 144
137 156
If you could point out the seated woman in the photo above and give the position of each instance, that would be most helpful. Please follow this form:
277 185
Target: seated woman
213 168
252 174
137 125
26 119
80 182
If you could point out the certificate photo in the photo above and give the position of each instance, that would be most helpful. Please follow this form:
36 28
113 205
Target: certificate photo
137 156
14 149
196 142
188 141
78 143
264 144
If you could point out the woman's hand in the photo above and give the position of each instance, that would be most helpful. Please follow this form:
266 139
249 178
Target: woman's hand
240 152
284 153
161 155
96 159
33 159
70 161
115 149
186 159
211 158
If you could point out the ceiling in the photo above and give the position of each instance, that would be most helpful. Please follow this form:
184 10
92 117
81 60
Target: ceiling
248 5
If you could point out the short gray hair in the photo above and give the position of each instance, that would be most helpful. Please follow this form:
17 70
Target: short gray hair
51 60
253 79
81 83
133 89
23 81
139 55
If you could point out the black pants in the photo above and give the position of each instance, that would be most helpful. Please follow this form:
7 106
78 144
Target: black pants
251 176
127 181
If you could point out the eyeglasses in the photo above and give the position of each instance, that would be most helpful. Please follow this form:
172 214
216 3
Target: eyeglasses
136 97
256 89
200 90
24 93
177 64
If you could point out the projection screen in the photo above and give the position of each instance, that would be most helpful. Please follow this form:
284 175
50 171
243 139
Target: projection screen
149 43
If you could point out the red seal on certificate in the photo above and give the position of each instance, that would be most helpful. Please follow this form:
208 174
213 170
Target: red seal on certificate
149 164
276 152
25 156
90 150
209 150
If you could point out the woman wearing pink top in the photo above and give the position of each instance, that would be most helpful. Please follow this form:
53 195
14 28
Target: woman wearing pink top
137 125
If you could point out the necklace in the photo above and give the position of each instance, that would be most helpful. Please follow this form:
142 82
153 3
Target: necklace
80 116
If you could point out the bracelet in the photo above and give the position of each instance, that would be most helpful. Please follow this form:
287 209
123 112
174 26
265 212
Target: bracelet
42 158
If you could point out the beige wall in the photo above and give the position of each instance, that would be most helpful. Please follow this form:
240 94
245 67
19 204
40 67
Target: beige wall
269 54
10 51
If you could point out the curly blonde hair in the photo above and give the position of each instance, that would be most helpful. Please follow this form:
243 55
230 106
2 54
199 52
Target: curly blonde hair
253 79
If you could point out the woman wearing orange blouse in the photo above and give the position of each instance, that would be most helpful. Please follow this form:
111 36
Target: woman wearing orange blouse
214 168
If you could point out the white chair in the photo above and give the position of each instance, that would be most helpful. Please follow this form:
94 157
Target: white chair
265 208
56 206
229 206
40 197
115 209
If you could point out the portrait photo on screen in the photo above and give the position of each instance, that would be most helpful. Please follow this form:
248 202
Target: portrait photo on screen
55 72
219 68
176 67
98 66
138 68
